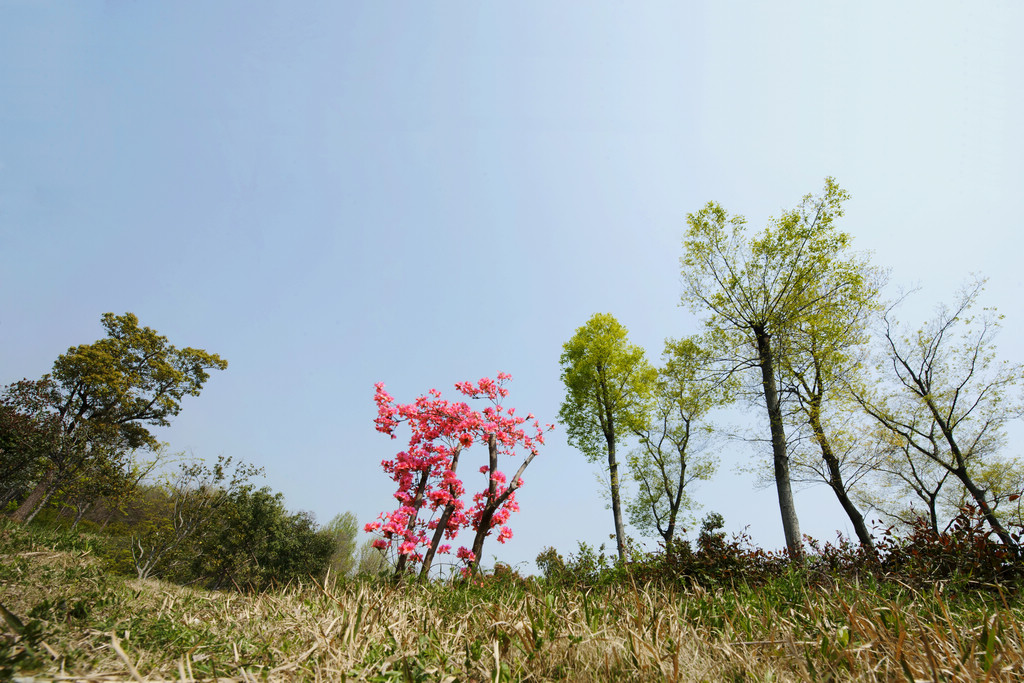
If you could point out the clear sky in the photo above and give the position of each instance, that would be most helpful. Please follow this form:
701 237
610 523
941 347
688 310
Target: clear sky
331 194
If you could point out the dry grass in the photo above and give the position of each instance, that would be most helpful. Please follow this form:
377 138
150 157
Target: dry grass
97 627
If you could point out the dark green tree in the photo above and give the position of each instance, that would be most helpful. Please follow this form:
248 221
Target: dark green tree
23 448
179 513
102 397
253 542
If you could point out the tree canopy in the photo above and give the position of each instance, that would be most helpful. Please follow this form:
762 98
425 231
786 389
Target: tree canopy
608 384
101 398
755 291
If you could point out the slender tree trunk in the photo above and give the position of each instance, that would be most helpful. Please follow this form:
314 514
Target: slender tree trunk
42 504
487 514
40 495
675 503
933 513
481 535
960 472
80 511
608 426
856 518
986 509
787 507
613 476
494 501
671 531
835 478
442 524
677 500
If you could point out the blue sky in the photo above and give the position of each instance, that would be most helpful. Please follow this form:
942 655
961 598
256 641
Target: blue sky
331 194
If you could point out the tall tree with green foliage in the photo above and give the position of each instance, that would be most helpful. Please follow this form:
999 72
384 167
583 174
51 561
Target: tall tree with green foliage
673 437
820 358
343 529
608 384
947 396
758 289
101 397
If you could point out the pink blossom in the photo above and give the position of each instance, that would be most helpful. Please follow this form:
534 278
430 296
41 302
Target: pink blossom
423 473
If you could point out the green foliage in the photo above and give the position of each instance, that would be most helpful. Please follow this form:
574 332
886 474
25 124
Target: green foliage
131 378
21 647
343 529
608 382
253 542
759 292
586 567
100 399
180 511
716 560
775 280
673 436
23 447
209 526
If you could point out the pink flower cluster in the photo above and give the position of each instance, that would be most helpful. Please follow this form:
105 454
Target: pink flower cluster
426 471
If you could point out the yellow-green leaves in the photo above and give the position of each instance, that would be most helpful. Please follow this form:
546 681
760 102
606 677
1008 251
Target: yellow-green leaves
796 267
607 381
130 378
760 293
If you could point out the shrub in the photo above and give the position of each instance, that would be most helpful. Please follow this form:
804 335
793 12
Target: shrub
965 552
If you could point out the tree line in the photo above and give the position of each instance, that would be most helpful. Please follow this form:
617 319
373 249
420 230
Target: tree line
76 443
908 423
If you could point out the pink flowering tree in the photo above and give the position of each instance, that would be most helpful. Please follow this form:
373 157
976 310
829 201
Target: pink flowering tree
430 495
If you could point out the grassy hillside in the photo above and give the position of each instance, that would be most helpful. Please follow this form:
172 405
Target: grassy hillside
68 618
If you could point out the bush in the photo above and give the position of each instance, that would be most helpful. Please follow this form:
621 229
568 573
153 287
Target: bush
254 542
584 569
966 552
716 560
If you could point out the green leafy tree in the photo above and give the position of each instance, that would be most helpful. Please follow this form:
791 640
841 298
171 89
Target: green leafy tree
947 396
343 529
253 542
608 384
108 477
23 448
757 290
101 397
182 510
820 356
673 437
